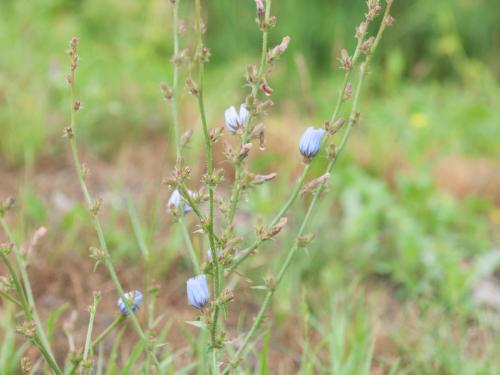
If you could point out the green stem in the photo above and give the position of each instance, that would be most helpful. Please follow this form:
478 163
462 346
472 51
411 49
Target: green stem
17 285
100 234
26 295
236 191
99 339
11 299
316 195
47 355
119 319
175 80
208 143
246 252
88 340
185 194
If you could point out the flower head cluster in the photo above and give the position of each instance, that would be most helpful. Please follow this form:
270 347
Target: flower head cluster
197 291
235 120
310 142
134 299
176 199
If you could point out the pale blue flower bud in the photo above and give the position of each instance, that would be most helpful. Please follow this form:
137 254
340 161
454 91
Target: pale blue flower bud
197 291
311 141
234 121
134 299
176 199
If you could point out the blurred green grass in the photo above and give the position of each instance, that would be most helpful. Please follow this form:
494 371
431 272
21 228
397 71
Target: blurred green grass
432 93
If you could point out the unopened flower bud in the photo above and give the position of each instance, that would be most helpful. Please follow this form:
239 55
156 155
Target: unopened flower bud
167 92
278 50
6 205
68 132
245 150
261 178
274 230
96 206
216 133
226 297
256 131
335 127
191 86
261 14
264 86
25 366
98 255
345 60
366 46
251 74
347 92
6 248
361 29
310 142
27 329
305 239
389 20
264 106
270 282
186 137
311 185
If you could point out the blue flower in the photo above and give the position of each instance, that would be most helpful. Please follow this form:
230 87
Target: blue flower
134 299
234 121
310 142
176 199
197 291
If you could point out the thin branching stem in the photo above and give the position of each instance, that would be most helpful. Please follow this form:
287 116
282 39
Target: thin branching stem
236 190
88 340
176 122
119 319
352 119
8 297
347 75
26 296
175 80
97 223
249 250
208 143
